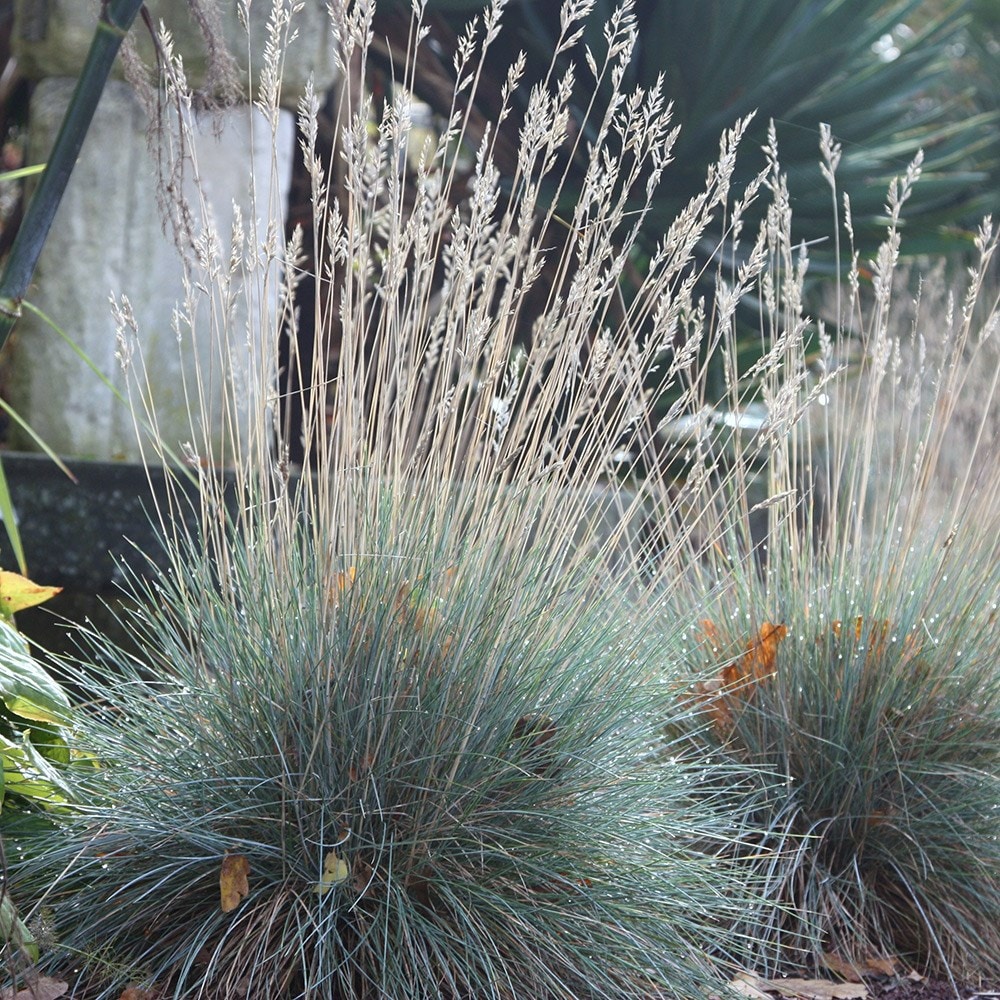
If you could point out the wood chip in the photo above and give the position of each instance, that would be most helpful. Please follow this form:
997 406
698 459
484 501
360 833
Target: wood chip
749 985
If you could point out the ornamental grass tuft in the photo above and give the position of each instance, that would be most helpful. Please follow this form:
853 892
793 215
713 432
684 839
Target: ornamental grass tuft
850 616
397 775
393 726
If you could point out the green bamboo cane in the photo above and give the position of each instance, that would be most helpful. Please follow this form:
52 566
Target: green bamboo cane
113 25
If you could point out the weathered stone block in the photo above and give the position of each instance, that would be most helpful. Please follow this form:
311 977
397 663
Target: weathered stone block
107 238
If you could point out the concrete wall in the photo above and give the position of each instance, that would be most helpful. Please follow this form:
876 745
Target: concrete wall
51 38
108 238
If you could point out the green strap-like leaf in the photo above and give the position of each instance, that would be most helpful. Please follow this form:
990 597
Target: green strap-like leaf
25 686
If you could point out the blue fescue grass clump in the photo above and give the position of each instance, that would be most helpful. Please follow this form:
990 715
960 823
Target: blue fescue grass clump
395 725
880 720
856 647
446 778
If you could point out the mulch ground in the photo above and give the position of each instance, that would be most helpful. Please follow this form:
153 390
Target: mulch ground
872 987
931 989
878 988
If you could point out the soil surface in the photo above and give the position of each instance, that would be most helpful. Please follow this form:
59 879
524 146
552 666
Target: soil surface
878 987
931 989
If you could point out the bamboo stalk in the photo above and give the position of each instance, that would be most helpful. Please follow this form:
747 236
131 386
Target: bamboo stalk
117 17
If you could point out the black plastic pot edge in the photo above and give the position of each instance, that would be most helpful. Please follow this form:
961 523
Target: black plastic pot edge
83 536
80 535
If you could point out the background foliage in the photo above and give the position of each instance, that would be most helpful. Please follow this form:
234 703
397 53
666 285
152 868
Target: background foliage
799 63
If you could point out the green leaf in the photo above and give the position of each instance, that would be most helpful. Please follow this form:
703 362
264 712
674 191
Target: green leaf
48 740
21 172
25 686
104 380
15 930
9 517
28 774
29 430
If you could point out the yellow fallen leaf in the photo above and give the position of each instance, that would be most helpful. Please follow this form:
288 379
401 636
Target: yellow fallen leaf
335 870
234 884
18 592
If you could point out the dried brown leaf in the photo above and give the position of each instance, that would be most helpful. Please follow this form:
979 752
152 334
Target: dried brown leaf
881 966
40 988
748 985
738 680
751 985
852 971
138 993
818 989
843 967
